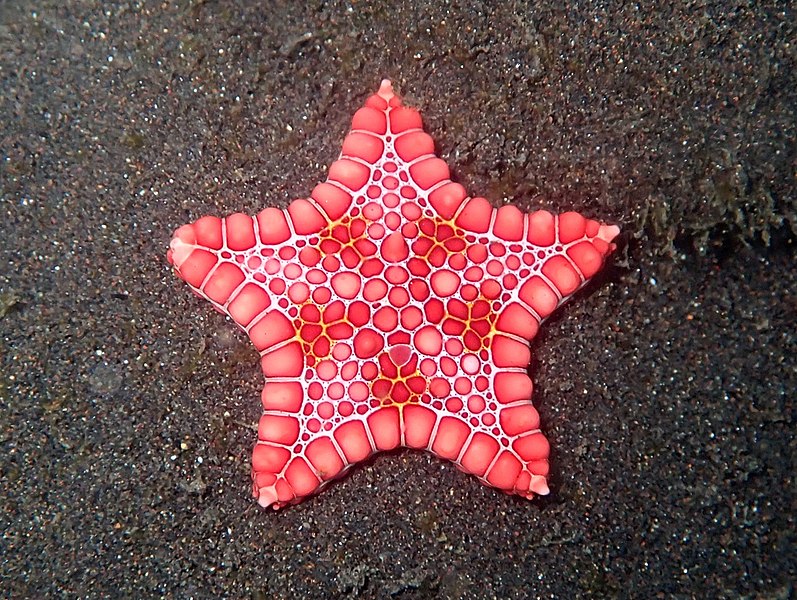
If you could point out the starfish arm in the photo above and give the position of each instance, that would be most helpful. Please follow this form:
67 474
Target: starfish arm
531 262
527 265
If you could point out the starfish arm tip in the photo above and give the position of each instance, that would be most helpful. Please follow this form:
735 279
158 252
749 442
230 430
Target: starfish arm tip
607 233
267 496
386 90
539 485
181 245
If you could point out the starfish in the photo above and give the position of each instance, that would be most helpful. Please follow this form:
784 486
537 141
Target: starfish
391 309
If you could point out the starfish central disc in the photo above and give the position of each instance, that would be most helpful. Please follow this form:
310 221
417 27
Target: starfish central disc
392 309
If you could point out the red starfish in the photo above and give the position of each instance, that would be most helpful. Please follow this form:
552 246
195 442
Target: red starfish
391 309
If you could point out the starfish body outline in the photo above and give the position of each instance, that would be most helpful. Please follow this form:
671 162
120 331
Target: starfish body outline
391 309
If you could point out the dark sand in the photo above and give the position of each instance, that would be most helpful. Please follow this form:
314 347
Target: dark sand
667 387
